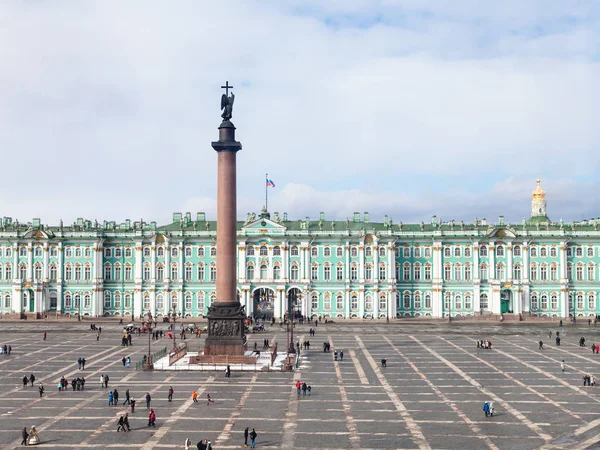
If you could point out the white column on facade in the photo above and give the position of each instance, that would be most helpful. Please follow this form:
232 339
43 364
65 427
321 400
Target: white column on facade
526 298
347 303
285 263
361 303
347 262
509 263
153 262
249 302
491 254
376 261
37 300
476 300
302 262
307 262
525 272
15 272
270 266
17 300
391 310
29 261
476 261
562 265
181 268
46 269
278 303
391 266
376 303
564 302
436 297
59 279
241 260
361 262
437 262
137 269
153 302
495 301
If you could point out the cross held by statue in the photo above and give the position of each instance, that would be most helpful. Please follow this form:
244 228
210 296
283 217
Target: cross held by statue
227 87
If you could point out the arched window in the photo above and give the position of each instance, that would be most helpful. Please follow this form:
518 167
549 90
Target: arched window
23 251
533 252
7 301
517 250
160 252
543 272
327 252
544 302
500 271
457 252
382 271
314 272
147 252
427 252
77 272
590 252
553 272
354 302
591 302
467 252
406 272
53 272
448 252
543 252
174 301
579 272
554 301
314 301
87 301
406 301
38 250
118 252
127 301
483 302
200 272
263 271
579 301
188 251
314 251
339 272
458 301
468 301
427 300
339 252
590 272
128 272
200 301
107 272
68 272
383 301
146 304
53 252
570 272
128 252
406 252
174 252
201 251
277 250
118 272
174 271
427 271
368 302
417 272
483 251
276 272
368 271
294 273
327 301
213 272
447 272
571 306
250 250
68 301
160 302
146 272
188 272
188 301
500 251
353 272
106 299
457 272
447 301
417 251
417 300
517 271
354 252
533 272
553 252
327 272
467 272
339 302
294 250
368 252
263 251
77 298
213 251
38 272
382 251
160 272
87 272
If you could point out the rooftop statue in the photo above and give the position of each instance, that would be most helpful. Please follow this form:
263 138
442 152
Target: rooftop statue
227 102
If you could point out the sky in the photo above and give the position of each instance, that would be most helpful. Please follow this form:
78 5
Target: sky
408 108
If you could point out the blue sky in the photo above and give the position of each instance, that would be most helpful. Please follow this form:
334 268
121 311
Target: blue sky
406 108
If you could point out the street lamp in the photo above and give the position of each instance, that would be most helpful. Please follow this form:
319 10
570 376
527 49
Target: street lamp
149 363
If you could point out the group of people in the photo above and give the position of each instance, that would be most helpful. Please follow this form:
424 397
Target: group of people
306 345
5 349
303 387
203 444
326 347
589 380
126 340
484 344
30 437
104 381
30 379
488 409
77 384
81 363
126 361
93 327
335 355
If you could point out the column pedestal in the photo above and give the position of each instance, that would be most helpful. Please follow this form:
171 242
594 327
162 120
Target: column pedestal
225 330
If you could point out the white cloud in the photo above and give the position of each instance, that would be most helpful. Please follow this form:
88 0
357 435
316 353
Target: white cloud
109 108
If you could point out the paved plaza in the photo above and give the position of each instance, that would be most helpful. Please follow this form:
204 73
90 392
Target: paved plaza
430 395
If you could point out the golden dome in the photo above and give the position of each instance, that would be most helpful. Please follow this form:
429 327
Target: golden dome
539 193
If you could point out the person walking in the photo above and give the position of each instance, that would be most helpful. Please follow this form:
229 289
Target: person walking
194 396
148 399
152 418
562 365
44 335
486 409
127 398
25 435
25 381
341 355
304 387
132 404
120 424
209 400
82 363
115 397
541 345
126 422
106 381
41 389
188 444
110 398
79 363
170 396
246 433
228 371
32 379
253 436
102 381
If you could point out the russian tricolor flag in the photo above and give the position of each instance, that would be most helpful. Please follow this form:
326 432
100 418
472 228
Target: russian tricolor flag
270 183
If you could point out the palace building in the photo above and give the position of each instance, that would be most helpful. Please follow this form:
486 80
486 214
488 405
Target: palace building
353 268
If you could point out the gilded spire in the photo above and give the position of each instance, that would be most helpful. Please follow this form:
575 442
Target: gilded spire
539 193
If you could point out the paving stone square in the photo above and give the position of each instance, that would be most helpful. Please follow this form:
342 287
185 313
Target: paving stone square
430 395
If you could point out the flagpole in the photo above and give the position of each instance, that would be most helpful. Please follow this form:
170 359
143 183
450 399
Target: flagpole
266 192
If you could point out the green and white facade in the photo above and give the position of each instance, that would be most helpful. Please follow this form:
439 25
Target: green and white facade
354 268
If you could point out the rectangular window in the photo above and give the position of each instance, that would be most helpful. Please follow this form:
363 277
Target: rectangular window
339 271
417 272
368 272
406 272
467 273
417 252
428 272
314 273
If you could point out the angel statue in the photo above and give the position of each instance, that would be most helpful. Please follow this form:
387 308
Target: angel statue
227 102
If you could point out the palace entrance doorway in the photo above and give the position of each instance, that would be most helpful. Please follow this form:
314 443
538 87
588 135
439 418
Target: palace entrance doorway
28 300
506 301
294 303
264 299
